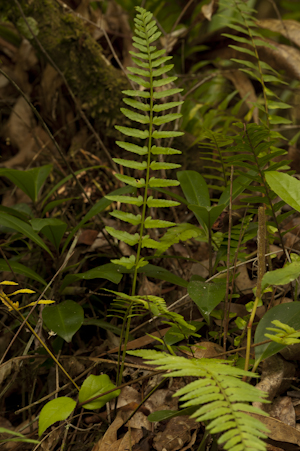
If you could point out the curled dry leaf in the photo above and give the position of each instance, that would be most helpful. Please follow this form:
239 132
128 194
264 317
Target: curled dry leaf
276 378
245 88
279 431
209 9
176 434
290 29
283 410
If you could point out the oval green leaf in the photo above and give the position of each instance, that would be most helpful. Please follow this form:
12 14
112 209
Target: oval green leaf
56 410
31 181
94 386
24 228
288 314
206 296
64 319
286 187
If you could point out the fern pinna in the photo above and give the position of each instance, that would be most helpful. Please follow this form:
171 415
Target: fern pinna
218 397
148 75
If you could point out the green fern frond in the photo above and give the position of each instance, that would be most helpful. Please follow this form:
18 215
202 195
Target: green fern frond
220 397
150 111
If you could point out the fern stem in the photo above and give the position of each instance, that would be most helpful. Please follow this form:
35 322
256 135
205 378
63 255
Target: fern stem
261 244
147 175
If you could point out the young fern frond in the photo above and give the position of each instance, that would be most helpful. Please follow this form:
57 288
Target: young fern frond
249 39
148 75
219 397
255 152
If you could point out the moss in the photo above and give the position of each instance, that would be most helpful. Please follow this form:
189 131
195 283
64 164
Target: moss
97 85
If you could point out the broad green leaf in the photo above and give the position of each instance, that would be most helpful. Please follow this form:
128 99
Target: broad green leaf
126 237
207 216
96 209
133 116
31 181
56 410
159 120
288 314
65 319
14 211
52 228
94 386
206 296
18 268
133 148
161 203
24 228
163 274
286 187
281 276
135 133
131 164
108 271
194 188
163 134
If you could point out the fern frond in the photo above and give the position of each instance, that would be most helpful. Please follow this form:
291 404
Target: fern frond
220 394
148 110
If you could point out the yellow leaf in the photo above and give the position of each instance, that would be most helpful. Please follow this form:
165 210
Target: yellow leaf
40 302
8 282
24 290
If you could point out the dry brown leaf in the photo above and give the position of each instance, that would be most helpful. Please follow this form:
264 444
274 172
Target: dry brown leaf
288 28
279 431
205 350
176 434
245 88
243 281
110 442
209 9
283 410
276 378
87 237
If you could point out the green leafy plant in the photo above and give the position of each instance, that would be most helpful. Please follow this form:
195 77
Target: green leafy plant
218 397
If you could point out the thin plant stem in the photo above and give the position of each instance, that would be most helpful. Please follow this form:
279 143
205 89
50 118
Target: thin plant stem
261 244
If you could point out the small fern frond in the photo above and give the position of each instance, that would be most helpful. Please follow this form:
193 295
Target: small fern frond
152 304
220 397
